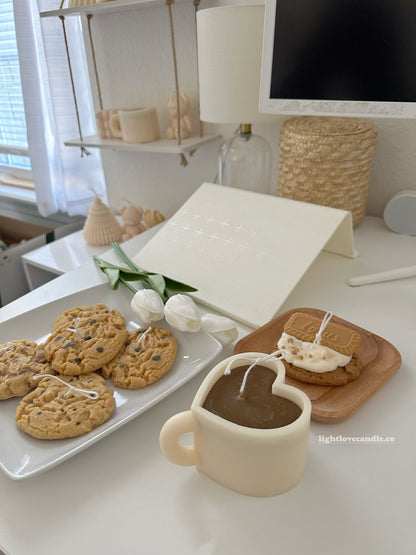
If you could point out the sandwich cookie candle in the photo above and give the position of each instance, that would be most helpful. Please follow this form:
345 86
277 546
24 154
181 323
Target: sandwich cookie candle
250 429
315 350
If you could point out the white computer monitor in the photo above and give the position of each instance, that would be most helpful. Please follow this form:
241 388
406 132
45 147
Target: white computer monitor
339 57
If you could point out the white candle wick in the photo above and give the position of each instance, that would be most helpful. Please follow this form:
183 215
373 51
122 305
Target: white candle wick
247 372
244 382
324 323
143 335
86 392
76 329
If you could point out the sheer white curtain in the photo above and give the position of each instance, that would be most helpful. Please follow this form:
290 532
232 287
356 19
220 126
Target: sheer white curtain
64 180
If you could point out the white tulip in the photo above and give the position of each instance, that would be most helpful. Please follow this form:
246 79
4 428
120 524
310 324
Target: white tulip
147 306
220 327
182 313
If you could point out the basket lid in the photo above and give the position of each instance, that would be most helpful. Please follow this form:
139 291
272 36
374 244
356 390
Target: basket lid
319 136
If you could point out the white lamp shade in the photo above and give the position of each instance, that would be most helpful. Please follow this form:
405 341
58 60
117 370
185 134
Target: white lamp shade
230 40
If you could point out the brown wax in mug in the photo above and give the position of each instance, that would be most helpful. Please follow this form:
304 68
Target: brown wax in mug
258 407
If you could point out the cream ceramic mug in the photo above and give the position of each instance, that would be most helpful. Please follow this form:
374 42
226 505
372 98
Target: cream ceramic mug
136 125
252 461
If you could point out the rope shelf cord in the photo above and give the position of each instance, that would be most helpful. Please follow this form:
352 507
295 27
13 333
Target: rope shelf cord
94 60
201 128
175 67
84 151
89 16
169 3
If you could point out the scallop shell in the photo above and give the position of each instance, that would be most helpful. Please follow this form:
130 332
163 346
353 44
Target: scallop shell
101 227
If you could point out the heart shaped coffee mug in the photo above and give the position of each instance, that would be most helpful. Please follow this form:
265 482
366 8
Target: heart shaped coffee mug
259 456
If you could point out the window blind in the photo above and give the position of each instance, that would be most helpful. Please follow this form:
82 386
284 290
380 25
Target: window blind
13 137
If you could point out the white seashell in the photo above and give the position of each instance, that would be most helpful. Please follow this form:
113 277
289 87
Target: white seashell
182 313
101 227
222 328
147 306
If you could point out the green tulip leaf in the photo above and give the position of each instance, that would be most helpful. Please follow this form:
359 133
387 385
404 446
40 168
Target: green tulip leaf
113 275
178 286
163 285
133 276
157 283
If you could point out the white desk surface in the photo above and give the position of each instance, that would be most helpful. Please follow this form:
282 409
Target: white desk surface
122 496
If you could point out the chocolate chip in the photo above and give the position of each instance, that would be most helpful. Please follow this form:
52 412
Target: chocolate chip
156 357
69 344
100 349
78 423
162 337
93 322
87 337
121 365
77 360
141 330
30 402
26 369
58 338
39 412
138 349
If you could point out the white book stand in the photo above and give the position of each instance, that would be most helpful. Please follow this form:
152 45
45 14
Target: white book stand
245 252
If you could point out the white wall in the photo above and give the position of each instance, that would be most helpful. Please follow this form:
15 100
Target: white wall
134 58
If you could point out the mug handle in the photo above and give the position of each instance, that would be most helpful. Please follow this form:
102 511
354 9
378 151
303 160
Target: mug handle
170 433
115 126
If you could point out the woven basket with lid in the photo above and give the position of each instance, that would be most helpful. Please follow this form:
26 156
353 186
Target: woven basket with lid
327 161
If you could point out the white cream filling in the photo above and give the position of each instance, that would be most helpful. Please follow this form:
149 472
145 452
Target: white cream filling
310 356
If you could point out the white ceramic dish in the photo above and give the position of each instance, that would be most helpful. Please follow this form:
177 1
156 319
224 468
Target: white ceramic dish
22 456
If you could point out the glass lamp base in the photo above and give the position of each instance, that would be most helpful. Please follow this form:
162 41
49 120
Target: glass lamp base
245 161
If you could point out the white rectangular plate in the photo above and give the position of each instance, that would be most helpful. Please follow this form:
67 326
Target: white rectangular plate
22 456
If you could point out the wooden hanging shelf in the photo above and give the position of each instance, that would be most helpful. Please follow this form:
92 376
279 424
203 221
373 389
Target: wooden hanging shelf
165 146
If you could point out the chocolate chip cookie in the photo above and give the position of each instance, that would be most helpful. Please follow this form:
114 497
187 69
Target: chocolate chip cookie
146 356
57 408
87 342
68 317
